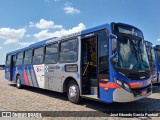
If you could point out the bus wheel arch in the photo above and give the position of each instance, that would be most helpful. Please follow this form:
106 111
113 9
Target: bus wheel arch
69 85
18 81
65 83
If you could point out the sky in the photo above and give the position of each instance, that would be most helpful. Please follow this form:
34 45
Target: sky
23 22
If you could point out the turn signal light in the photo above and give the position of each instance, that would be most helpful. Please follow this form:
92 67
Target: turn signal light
106 88
135 84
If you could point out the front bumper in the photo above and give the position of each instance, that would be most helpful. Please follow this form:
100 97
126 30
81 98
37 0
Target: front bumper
122 95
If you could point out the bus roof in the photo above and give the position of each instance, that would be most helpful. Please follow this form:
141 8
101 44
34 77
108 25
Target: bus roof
148 43
157 46
54 39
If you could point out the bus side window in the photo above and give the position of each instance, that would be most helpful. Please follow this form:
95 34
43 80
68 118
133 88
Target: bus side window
69 51
8 60
19 60
38 55
103 56
51 54
14 60
27 57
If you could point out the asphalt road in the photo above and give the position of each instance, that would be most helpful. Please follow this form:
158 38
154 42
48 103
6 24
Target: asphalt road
34 99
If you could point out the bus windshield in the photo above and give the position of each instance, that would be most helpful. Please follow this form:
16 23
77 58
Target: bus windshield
158 55
130 54
151 56
127 30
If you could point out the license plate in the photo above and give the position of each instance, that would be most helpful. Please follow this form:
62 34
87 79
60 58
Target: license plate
144 92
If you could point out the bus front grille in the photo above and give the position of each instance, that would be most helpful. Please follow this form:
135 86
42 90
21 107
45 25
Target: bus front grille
138 91
138 76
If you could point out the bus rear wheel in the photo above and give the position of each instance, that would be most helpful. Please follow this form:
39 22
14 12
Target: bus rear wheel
18 82
73 92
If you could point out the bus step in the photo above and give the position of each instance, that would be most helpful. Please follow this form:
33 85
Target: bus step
91 96
93 90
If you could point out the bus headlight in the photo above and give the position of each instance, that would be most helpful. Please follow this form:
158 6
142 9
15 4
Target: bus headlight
123 84
119 82
126 86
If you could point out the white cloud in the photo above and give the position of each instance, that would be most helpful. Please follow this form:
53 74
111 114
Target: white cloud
158 39
1 47
11 41
13 36
25 43
68 4
44 24
28 35
69 9
17 42
44 34
8 33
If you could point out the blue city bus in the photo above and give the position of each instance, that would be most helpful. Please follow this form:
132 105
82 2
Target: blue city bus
152 61
107 63
157 61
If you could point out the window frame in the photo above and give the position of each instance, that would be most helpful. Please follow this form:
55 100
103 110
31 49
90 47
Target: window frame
77 52
100 56
33 50
14 60
8 60
19 58
51 53
28 57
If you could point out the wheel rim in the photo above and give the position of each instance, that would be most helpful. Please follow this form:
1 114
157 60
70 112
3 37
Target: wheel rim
72 91
18 82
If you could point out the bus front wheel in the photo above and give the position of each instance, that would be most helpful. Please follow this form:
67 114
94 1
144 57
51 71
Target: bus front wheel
73 92
18 82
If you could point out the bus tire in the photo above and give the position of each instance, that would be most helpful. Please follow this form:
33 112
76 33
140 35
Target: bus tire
73 92
18 82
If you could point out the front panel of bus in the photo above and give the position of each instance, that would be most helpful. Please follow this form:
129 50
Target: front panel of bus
130 78
157 54
152 62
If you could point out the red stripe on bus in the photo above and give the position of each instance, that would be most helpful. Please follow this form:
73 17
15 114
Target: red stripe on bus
25 77
109 85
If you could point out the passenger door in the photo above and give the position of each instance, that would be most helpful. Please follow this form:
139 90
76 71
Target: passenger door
95 64
13 67
89 66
